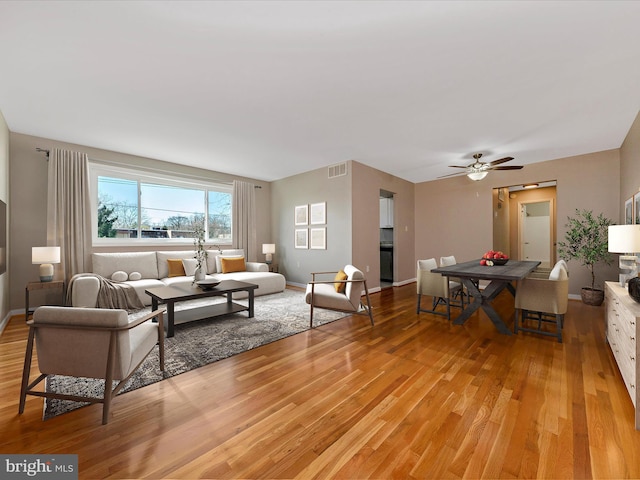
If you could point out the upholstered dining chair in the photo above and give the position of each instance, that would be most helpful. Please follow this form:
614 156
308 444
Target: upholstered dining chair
543 301
342 293
456 289
434 285
89 342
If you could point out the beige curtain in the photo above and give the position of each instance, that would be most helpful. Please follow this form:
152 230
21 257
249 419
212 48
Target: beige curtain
244 219
68 211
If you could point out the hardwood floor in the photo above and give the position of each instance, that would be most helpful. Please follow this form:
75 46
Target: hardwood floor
412 397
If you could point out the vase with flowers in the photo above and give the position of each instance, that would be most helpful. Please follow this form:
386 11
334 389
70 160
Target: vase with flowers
201 253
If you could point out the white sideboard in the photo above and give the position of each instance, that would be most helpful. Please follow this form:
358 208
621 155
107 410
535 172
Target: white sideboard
621 330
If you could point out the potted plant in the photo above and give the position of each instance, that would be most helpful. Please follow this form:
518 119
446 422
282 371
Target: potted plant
586 240
201 253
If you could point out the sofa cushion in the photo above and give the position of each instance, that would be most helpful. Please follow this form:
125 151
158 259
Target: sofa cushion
135 276
163 265
233 264
190 265
175 267
216 266
105 264
119 276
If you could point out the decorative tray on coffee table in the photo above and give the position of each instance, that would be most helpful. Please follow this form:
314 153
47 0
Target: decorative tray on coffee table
207 284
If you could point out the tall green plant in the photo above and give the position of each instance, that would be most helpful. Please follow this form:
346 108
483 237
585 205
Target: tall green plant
586 240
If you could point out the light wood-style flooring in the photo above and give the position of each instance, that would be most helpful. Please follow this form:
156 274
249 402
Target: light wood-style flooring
413 397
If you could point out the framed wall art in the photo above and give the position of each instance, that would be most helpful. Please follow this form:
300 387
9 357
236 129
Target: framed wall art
319 238
301 238
318 214
636 208
302 215
628 211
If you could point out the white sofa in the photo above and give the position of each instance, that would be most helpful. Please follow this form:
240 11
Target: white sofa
154 272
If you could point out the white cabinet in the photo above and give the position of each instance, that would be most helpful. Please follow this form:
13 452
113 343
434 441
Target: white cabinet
622 316
386 212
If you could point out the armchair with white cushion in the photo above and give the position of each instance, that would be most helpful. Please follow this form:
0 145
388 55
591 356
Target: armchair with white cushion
92 343
343 292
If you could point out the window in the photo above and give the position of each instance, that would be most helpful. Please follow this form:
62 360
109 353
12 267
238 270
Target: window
137 207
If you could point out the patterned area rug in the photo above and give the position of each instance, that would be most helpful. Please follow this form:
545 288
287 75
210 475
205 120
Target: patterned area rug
202 342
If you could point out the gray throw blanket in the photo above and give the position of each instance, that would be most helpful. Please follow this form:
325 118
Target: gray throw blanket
111 294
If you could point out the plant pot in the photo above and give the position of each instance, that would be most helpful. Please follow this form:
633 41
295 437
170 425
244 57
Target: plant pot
592 296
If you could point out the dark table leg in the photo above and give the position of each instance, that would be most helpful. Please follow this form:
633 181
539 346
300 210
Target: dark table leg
251 303
483 300
170 318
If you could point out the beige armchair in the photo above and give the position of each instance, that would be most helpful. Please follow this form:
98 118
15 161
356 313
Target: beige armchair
434 285
342 293
543 301
89 342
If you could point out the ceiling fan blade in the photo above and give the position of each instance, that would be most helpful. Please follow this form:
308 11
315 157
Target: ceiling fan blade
453 174
458 166
501 160
512 167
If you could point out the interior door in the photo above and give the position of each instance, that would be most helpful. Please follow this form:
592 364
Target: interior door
535 229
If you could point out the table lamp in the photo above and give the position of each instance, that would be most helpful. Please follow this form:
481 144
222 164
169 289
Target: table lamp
625 239
45 256
268 249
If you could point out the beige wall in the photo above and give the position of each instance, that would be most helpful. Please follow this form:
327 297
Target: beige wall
303 189
367 183
454 215
630 166
28 176
4 196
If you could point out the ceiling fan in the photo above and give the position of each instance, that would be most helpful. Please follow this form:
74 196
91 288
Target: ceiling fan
478 170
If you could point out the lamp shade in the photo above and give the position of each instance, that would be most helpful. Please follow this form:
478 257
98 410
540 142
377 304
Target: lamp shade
475 176
624 238
40 255
268 248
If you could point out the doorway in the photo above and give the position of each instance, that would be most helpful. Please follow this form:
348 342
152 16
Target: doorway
535 227
524 222
386 239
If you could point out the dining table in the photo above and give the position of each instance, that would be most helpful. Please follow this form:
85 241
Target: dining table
499 277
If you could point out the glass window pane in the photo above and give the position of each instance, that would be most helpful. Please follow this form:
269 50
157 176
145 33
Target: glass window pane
219 225
117 208
170 212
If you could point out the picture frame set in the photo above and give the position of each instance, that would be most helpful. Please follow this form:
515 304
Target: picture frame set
629 217
314 238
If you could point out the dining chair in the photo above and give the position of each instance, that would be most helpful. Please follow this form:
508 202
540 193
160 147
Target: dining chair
541 302
456 288
433 285
89 343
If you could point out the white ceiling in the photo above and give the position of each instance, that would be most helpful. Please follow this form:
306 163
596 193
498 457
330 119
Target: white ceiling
271 89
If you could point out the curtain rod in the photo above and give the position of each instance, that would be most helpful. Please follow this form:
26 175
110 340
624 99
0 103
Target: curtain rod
46 152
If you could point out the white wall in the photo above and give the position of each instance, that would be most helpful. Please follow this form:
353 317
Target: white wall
4 196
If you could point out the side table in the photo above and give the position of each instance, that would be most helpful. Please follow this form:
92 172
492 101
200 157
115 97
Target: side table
34 286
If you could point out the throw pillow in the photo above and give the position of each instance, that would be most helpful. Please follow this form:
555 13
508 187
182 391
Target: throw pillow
189 265
219 261
175 267
135 276
119 276
233 265
339 286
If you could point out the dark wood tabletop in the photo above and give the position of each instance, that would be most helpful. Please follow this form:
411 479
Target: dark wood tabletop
499 276
512 270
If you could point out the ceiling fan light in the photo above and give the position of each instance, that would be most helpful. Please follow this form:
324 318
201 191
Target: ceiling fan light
476 176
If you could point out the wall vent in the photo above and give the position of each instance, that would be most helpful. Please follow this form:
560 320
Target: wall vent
337 170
